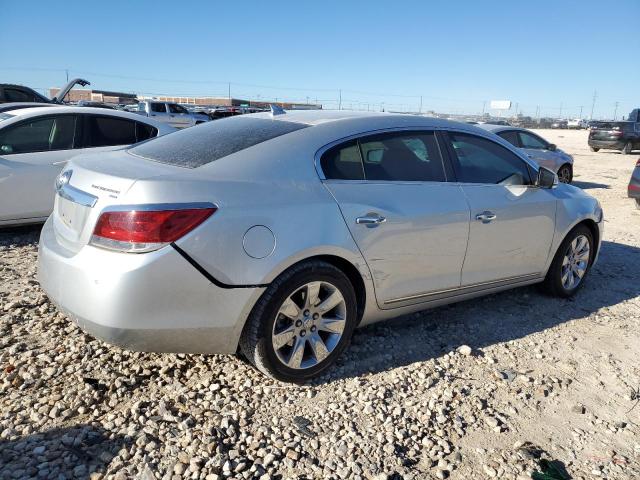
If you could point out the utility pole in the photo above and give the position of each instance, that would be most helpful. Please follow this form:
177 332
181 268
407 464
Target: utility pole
537 113
340 99
580 117
229 90
593 104
560 115
66 70
420 111
484 105
615 112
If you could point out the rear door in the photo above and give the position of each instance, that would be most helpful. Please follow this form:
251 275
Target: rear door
409 223
32 153
512 221
179 116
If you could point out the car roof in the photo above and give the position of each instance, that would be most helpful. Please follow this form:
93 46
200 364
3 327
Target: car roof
318 117
24 113
498 128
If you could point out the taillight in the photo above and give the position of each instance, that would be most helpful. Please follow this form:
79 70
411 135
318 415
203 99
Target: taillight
638 163
145 230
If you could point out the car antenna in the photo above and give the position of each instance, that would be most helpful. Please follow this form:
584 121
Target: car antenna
276 110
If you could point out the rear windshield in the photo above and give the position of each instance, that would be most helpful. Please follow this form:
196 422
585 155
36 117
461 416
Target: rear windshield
197 146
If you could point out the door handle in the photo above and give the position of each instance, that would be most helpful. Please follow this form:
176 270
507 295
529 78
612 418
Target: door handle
486 216
370 220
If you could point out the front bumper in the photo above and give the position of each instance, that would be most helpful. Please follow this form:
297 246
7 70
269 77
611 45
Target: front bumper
155 302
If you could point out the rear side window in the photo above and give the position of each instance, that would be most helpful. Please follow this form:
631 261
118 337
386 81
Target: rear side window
15 95
107 131
510 136
158 107
407 156
145 132
194 147
343 162
479 160
44 134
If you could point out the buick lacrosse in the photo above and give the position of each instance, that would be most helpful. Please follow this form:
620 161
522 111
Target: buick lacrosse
275 235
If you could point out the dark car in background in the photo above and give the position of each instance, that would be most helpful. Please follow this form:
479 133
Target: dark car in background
633 190
10 93
622 135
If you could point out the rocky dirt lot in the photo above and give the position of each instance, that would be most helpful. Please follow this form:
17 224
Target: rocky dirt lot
480 389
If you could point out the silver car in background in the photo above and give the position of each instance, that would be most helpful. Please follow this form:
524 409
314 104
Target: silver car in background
537 148
36 143
275 235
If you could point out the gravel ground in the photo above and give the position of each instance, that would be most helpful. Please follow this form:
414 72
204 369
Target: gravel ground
480 389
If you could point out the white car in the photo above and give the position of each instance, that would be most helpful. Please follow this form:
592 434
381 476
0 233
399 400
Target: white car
36 143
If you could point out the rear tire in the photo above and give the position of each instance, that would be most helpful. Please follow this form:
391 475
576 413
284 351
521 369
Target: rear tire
303 324
594 149
569 260
626 150
565 173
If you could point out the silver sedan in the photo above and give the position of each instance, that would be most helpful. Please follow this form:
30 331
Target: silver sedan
275 235
536 148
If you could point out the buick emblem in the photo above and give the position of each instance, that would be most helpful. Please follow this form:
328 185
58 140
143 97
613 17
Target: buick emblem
63 179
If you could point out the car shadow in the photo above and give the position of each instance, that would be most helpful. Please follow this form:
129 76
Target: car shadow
485 321
20 236
588 185
73 452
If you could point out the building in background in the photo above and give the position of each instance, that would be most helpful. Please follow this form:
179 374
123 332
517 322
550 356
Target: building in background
102 96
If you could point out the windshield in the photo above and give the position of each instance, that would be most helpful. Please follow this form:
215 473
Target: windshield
197 146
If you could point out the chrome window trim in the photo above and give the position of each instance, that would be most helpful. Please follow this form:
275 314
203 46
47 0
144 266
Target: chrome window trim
76 195
486 135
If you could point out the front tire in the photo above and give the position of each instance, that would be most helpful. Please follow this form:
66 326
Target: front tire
594 149
626 150
565 173
301 323
571 263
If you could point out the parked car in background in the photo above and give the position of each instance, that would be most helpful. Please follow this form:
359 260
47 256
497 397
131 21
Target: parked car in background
622 135
577 124
276 235
36 143
86 103
537 148
633 189
559 124
170 113
10 93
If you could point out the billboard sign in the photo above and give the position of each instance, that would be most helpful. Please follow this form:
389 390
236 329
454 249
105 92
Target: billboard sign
500 104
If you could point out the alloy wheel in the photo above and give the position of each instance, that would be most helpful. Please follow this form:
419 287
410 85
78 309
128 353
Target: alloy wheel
575 262
564 175
309 325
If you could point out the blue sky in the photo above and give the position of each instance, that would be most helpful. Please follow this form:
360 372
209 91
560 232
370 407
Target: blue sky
380 54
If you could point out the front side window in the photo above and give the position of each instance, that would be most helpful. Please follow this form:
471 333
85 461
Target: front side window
531 141
510 136
174 108
479 160
108 131
45 134
405 156
158 107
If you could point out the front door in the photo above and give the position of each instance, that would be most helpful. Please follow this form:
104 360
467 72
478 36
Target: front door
409 223
512 221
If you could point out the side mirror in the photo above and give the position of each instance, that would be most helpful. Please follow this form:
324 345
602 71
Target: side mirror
552 147
546 178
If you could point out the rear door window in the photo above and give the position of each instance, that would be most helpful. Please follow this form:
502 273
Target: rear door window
105 131
145 132
194 147
405 156
511 136
158 107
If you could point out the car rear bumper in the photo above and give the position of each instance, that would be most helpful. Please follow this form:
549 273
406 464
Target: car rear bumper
607 144
154 301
